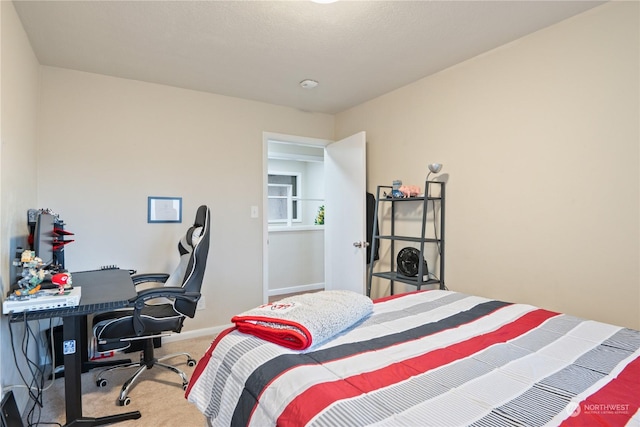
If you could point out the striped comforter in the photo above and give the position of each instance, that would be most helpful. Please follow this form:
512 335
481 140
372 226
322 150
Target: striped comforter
434 358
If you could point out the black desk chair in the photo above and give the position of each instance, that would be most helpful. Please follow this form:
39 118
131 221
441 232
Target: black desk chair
157 310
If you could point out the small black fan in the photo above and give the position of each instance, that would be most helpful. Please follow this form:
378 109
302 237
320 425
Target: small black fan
408 259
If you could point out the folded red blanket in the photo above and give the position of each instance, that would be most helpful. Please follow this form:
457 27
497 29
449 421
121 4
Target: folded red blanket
303 321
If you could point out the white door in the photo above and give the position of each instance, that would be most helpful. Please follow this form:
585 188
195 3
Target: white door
345 214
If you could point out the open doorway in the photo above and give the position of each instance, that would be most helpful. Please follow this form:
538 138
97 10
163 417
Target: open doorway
293 214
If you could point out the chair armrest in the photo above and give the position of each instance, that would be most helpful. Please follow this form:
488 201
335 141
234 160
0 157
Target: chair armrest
149 277
160 292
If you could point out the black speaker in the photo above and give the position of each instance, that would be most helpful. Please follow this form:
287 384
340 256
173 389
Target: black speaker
10 415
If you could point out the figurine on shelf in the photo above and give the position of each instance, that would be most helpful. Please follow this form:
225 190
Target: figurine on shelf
400 191
410 190
395 189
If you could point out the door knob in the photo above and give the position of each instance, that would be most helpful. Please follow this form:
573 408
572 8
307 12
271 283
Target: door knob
360 244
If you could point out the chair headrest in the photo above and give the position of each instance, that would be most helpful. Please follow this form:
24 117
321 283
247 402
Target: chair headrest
190 240
195 233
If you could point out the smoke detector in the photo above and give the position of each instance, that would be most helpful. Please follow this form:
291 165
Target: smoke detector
308 83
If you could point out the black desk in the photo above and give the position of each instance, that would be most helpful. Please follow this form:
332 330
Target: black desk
102 290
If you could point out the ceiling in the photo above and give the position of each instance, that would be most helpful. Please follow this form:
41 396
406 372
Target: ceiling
261 50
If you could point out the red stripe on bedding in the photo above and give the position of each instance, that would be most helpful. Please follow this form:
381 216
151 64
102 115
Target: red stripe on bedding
316 398
204 361
391 297
612 405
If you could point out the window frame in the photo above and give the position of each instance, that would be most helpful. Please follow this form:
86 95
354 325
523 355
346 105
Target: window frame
295 199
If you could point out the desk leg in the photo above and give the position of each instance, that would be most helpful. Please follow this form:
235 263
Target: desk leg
71 348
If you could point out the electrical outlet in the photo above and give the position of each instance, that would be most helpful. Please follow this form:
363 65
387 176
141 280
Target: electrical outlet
201 303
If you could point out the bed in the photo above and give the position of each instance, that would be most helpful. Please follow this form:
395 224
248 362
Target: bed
430 358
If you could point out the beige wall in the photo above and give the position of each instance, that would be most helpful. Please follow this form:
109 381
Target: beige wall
19 94
108 143
540 144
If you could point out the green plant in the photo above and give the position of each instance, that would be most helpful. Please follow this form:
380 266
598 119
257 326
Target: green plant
320 216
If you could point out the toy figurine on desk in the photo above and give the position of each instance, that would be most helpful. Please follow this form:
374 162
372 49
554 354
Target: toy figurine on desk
34 273
62 280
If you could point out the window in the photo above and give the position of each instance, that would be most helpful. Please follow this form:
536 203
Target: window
284 198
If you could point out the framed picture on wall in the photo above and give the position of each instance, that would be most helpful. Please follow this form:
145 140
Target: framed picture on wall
164 209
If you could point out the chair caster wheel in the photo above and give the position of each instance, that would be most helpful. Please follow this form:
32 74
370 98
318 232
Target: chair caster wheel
124 402
184 386
191 363
101 382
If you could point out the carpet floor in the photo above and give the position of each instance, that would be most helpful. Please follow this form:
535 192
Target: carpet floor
158 396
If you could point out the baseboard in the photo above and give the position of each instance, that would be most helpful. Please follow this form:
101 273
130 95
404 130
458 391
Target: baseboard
296 289
197 333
